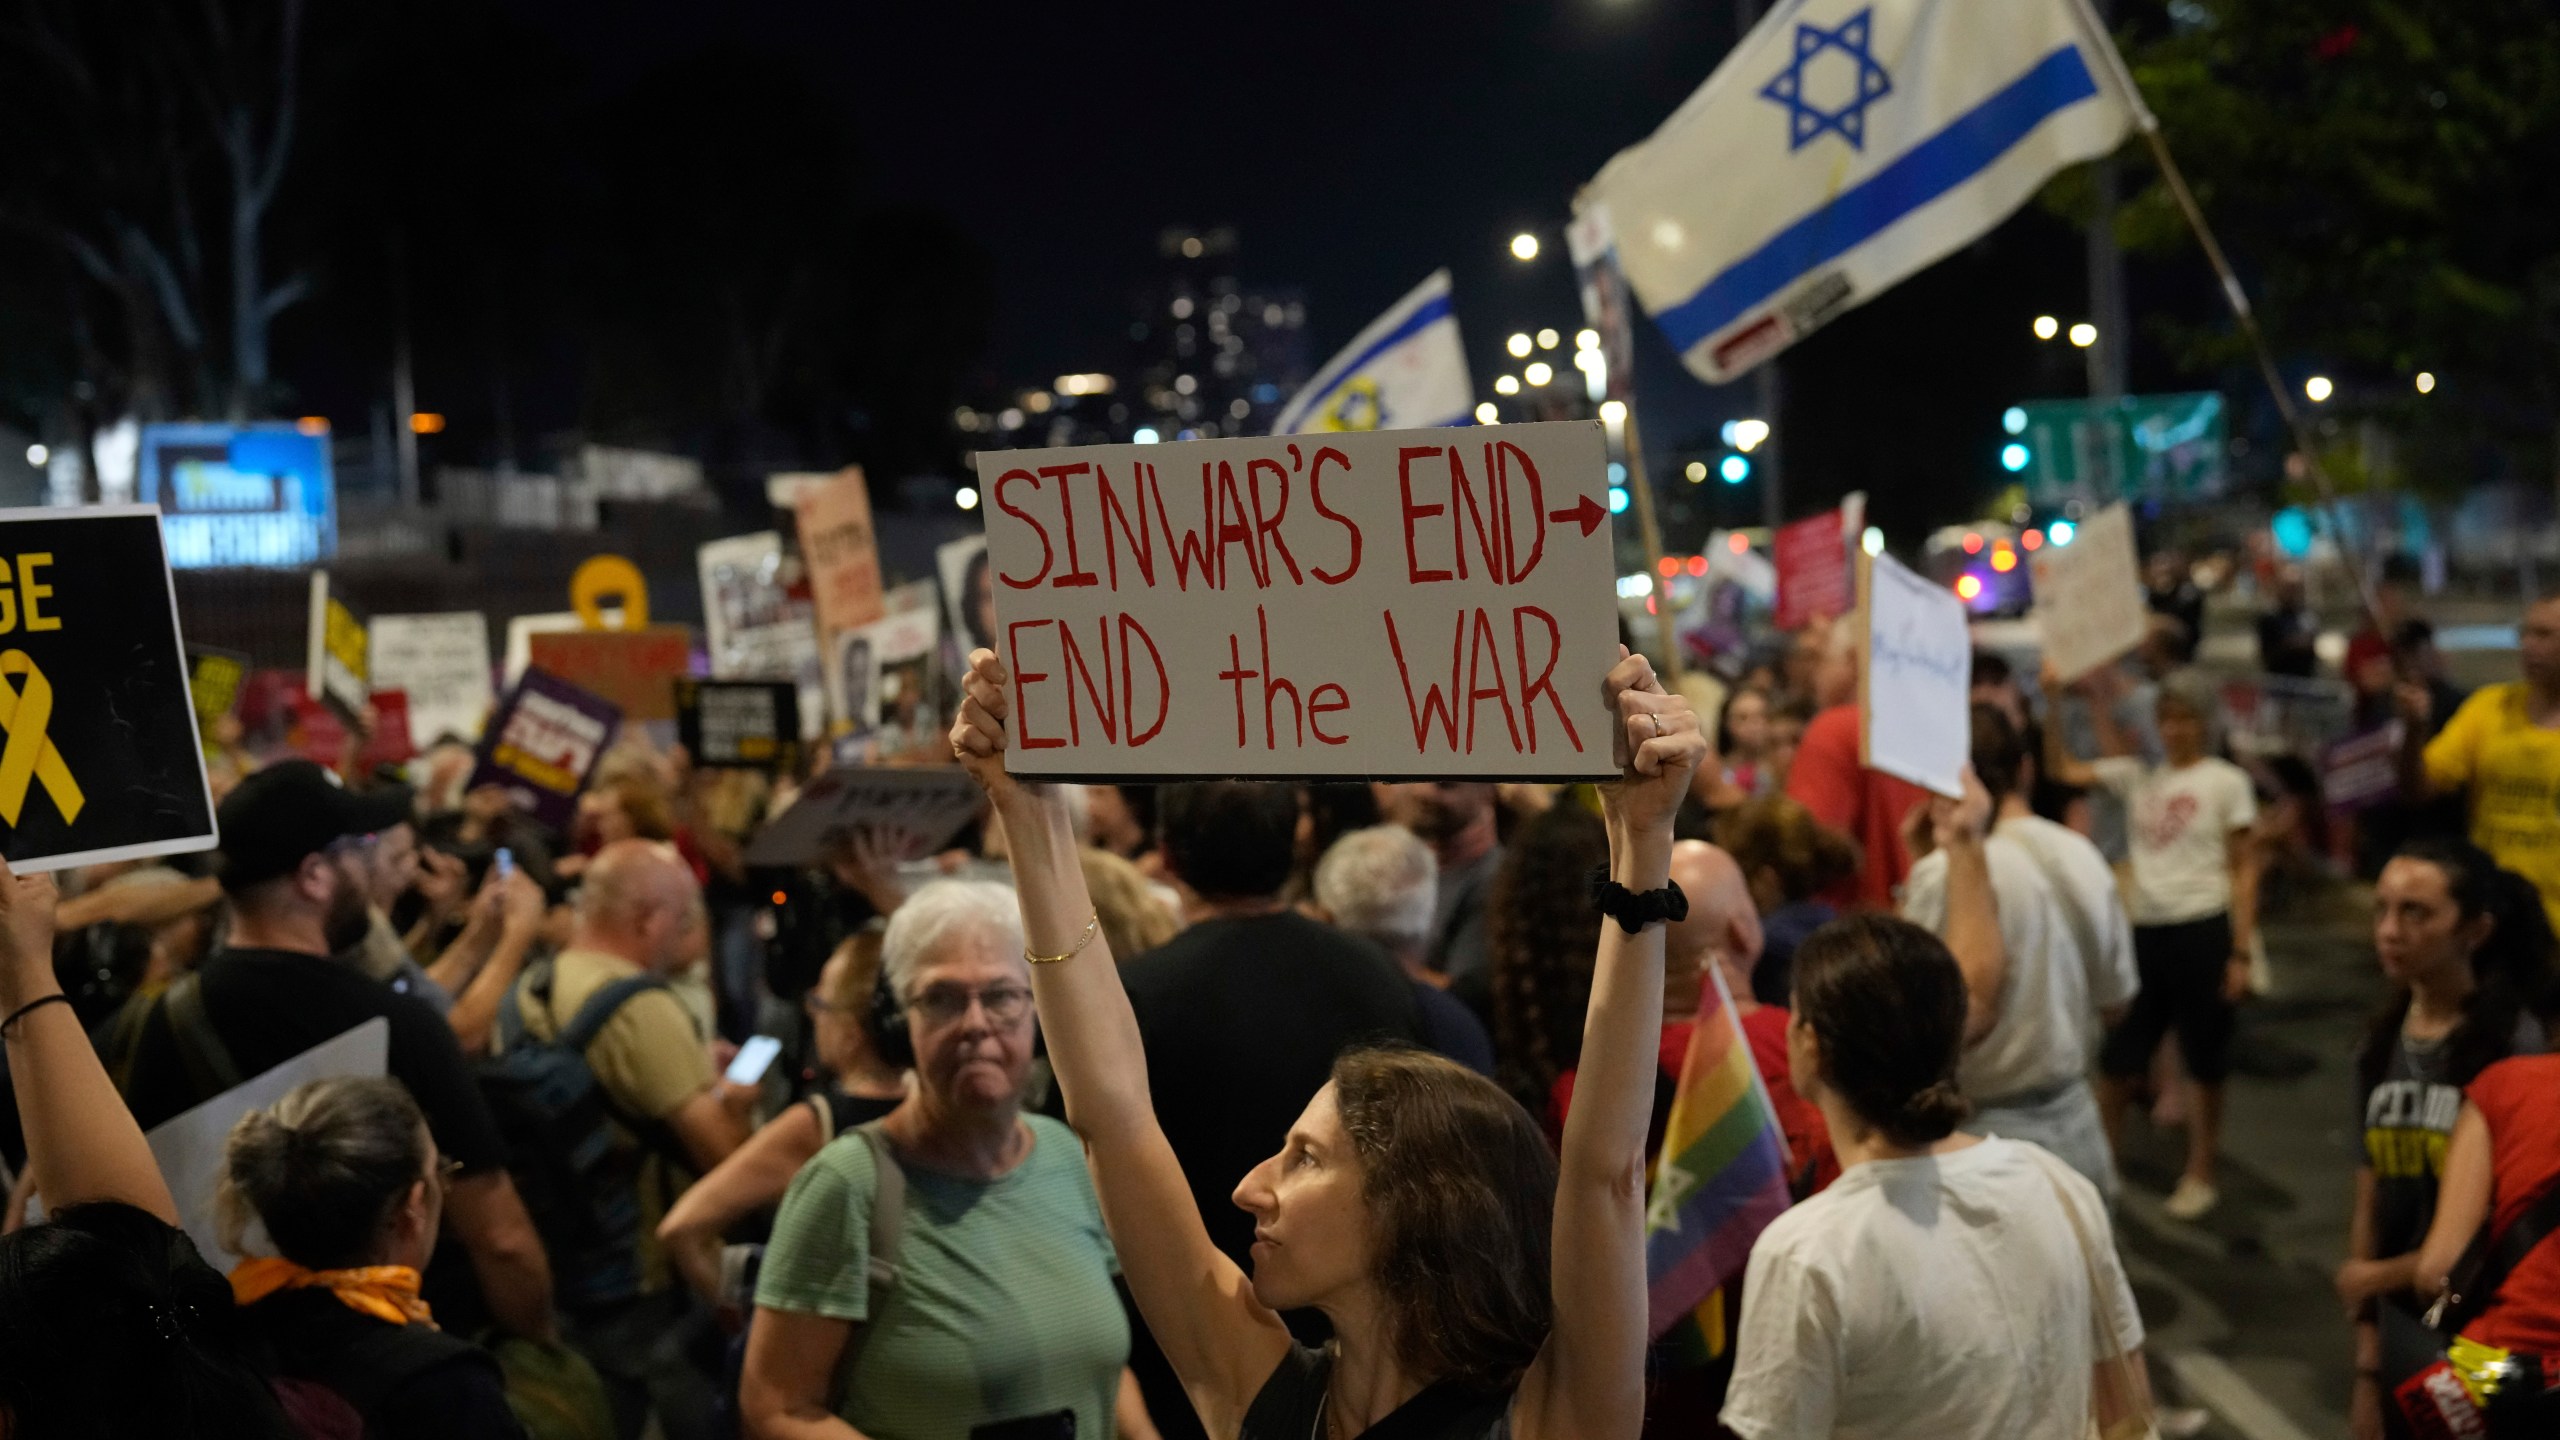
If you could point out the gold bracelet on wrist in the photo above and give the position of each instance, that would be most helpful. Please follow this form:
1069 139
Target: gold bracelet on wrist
1092 928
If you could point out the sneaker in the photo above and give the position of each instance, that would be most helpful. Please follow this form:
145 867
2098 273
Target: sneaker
2181 1422
2192 1200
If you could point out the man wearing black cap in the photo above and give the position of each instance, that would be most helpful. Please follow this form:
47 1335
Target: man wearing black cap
292 846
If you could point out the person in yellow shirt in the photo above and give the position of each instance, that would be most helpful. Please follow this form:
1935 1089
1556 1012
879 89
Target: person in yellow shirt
2502 749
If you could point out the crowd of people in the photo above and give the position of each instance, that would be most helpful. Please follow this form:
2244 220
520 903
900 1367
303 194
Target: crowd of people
1266 1110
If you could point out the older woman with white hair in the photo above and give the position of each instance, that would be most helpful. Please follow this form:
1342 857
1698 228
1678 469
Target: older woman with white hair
989 1307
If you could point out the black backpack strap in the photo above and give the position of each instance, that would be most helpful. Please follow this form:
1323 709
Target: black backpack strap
208 1063
2497 1259
593 1016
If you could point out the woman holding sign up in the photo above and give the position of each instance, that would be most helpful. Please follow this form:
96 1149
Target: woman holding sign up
1477 1289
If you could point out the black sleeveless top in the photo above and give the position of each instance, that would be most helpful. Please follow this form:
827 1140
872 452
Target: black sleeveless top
1291 1407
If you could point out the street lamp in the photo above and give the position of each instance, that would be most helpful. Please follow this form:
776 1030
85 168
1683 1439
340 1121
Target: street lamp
2084 334
1487 415
1518 345
37 455
1524 246
1748 433
1586 339
1613 412
2047 327
967 497
1507 385
1547 339
1538 373
1697 472
2426 382
2319 389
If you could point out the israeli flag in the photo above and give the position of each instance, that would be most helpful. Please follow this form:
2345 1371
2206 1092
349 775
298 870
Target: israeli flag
1405 372
1845 144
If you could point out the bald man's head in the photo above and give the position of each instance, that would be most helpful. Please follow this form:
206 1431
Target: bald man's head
1722 924
639 901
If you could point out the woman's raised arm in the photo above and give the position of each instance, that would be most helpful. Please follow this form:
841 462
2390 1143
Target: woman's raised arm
1222 1342
1589 1380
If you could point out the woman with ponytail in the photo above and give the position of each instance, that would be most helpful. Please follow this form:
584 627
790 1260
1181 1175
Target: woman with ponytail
1946 1285
348 1186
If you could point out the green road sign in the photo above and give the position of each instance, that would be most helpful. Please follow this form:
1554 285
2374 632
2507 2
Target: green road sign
2141 447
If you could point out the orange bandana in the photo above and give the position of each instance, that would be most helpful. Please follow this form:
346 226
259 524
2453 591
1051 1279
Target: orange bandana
385 1292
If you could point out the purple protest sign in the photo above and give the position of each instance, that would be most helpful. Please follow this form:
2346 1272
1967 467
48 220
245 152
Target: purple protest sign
544 744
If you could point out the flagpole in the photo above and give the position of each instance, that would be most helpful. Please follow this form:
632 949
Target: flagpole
1640 481
2304 442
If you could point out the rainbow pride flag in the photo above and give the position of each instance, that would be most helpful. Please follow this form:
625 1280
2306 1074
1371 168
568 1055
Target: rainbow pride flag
1721 1178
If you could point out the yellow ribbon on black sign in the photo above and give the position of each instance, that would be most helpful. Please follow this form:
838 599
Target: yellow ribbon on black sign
30 754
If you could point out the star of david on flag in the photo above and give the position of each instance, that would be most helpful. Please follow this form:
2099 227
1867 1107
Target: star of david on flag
1806 118
1845 144
1407 371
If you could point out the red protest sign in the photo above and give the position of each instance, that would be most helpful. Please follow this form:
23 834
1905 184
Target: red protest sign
1813 571
1411 603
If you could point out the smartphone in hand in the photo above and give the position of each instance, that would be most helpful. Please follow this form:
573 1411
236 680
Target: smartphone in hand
754 1058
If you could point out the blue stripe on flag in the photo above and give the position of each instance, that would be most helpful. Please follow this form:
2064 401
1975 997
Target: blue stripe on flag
1431 312
1966 147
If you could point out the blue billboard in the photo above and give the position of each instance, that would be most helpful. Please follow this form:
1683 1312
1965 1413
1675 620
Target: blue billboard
240 494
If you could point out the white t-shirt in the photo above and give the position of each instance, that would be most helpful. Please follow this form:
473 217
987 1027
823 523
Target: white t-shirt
2046 1011
1945 1297
2093 910
2180 832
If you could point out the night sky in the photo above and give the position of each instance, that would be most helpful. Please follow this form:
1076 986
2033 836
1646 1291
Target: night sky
1355 148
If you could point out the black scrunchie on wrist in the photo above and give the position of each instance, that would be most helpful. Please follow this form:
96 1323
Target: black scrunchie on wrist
1634 910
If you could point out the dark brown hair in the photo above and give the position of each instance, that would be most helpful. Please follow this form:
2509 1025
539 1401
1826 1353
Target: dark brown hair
1804 856
1541 934
1463 1190
1888 1004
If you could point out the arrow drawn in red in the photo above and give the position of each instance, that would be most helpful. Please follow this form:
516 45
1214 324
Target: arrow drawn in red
1586 512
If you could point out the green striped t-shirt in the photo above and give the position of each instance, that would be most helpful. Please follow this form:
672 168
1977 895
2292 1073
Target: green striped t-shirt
1004 1306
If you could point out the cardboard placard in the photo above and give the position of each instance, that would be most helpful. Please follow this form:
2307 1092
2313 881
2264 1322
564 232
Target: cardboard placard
841 550
214 678
336 663
739 724
544 743
192 1147
2089 600
1389 603
1814 579
441 662
100 757
1915 678
635 669
916 808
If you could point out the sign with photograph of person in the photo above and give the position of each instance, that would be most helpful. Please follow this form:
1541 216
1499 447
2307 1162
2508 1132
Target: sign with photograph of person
841 550
1425 603
885 685
968 594
214 678
739 724
757 621
1915 678
543 745
102 759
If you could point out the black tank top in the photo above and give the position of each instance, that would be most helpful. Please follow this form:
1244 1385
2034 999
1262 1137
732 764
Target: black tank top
1291 1407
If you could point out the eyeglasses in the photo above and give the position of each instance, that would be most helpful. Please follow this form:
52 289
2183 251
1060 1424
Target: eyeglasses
448 1170
942 1004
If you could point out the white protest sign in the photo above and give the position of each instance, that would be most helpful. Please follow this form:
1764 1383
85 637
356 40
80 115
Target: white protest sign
334 668
754 626
442 663
522 628
189 1145
1384 603
1915 677
2089 601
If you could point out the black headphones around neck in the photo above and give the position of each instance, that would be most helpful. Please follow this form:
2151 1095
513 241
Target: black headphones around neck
884 1022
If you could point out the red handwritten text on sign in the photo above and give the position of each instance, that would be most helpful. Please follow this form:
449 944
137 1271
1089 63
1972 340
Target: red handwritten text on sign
1418 603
